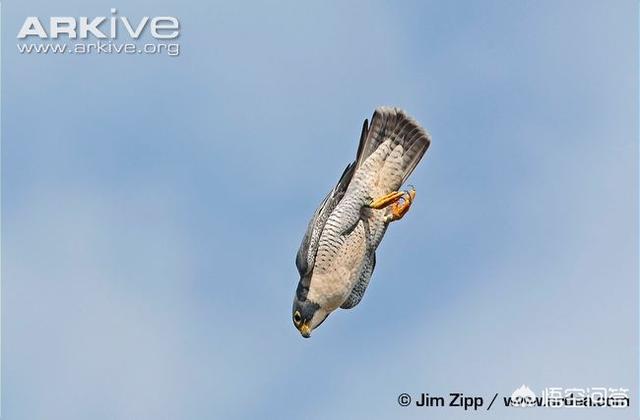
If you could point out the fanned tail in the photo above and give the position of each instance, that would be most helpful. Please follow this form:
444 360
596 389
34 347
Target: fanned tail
391 123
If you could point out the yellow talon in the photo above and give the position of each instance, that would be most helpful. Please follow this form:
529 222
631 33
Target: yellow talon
386 200
400 203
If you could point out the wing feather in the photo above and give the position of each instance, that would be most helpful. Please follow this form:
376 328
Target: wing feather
309 246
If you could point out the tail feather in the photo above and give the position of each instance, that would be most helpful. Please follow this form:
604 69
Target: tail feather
395 125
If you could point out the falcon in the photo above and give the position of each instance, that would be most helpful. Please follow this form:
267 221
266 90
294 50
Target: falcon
338 251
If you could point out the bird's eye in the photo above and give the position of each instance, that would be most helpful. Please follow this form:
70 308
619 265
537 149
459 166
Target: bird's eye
297 318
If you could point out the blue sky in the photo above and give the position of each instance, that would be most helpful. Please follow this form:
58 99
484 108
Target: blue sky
152 208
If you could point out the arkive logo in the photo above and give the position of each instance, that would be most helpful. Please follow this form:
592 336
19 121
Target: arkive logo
101 27
113 34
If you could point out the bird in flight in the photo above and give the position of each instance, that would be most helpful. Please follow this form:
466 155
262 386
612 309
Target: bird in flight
338 251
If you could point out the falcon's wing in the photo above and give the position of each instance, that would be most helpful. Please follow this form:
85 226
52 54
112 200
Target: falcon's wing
309 246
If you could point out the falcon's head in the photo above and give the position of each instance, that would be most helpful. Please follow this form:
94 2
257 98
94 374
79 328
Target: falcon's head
307 316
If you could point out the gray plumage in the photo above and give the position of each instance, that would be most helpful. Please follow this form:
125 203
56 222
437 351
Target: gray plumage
337 256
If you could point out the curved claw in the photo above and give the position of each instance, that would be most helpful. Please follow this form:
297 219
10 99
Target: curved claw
399 209
400 202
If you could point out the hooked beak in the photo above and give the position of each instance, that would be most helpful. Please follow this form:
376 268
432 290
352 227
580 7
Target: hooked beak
305 330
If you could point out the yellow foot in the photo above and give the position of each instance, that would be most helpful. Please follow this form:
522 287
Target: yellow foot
386 200
400 202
